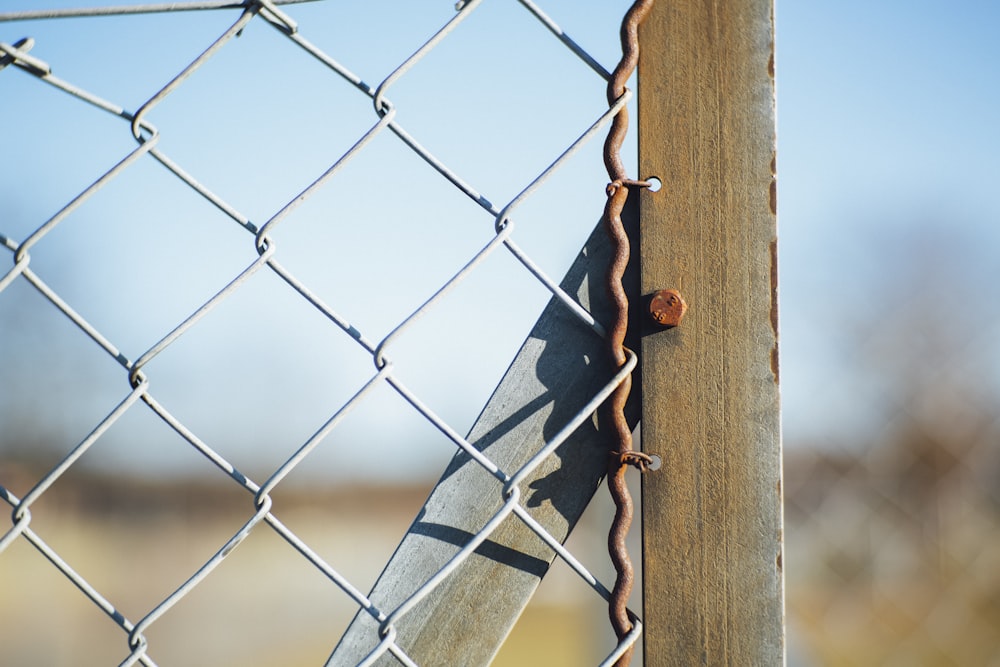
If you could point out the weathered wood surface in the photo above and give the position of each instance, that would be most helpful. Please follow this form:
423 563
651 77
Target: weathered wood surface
712 514
560 367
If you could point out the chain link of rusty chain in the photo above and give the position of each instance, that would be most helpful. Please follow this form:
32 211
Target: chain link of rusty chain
623 455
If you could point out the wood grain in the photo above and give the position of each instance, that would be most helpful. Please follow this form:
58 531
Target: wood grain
713 582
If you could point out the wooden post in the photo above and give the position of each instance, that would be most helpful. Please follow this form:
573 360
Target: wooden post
712 530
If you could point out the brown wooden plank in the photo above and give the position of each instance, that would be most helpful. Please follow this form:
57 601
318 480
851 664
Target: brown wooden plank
712 514
560 367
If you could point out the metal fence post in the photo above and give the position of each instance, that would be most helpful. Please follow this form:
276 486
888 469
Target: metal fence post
712 525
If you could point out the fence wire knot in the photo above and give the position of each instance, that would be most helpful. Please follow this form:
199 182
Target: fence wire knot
640 460
619 183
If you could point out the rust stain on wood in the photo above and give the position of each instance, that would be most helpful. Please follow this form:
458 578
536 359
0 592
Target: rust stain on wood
774 309
773 195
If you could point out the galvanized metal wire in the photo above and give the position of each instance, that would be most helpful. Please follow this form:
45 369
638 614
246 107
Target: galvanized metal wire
27 58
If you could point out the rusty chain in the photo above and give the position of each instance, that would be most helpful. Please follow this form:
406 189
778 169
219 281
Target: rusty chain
623 455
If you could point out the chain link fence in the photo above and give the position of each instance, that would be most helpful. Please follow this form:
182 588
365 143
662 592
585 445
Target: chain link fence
267 265
298 279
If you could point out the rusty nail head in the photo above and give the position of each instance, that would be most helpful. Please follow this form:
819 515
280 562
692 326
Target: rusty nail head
667 308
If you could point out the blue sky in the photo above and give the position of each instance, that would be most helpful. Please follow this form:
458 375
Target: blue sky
256 125
888 165
887 142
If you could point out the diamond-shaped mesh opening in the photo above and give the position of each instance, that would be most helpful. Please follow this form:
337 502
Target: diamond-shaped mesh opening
267 265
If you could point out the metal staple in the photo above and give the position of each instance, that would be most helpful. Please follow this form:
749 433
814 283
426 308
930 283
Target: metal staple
264 255
623 455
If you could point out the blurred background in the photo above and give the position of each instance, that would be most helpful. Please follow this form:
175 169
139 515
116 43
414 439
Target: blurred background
888 225
889 228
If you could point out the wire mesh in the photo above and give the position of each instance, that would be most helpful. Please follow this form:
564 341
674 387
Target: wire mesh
187 272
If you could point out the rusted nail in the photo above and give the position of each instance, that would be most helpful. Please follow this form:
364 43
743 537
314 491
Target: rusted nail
667 308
